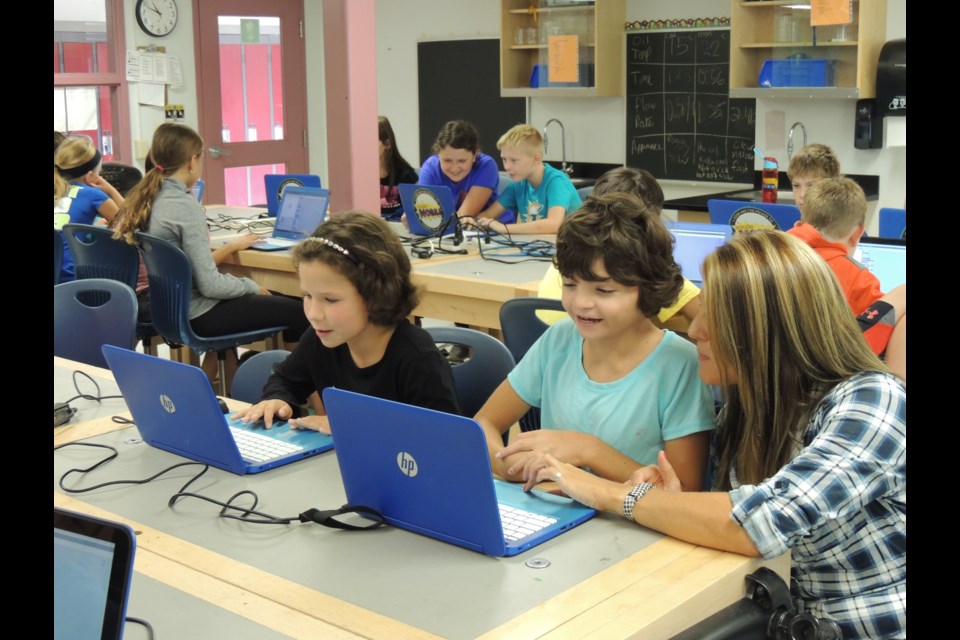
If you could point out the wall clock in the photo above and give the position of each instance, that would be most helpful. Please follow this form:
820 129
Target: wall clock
157 17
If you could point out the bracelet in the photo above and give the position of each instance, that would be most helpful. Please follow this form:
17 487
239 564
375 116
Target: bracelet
630 500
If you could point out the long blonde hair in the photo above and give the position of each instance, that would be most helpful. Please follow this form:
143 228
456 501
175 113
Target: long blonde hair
70 154
173 146
778 318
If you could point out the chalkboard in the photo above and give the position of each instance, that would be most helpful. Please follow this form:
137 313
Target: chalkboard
681 122
460 80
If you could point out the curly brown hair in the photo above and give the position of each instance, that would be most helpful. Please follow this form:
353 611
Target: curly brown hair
364 249
628 236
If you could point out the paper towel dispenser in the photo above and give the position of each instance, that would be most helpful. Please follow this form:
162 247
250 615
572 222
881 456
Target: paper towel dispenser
892 78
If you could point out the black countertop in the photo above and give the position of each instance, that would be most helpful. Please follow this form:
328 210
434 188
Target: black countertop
870 185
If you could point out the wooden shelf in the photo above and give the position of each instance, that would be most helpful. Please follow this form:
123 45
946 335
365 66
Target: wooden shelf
787 45
599 27
753 29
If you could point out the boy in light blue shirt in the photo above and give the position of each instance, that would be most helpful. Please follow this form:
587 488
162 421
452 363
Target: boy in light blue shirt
541 195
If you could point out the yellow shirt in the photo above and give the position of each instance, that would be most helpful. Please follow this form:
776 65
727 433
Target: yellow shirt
552 287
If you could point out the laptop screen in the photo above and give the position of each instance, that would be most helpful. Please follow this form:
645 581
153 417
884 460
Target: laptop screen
92 564
301 211
692 247
886 259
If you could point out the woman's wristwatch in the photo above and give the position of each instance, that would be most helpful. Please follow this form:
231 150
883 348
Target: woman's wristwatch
631 498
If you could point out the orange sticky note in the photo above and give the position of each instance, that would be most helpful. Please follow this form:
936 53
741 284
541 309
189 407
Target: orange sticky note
824 12
564 59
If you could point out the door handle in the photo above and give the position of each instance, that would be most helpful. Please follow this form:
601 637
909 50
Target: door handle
216 152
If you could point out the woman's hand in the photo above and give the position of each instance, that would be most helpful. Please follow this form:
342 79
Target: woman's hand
267 410
580 485
312 423
660 475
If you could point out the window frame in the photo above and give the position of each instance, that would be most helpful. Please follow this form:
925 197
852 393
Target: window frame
115 81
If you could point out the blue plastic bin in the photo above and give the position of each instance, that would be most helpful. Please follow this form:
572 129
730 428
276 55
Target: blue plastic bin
539 76
797 72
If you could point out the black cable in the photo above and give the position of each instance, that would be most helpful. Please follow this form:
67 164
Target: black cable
326 518
144 623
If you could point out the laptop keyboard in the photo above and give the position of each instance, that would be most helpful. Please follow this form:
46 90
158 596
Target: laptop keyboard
281 242
259 448
518 523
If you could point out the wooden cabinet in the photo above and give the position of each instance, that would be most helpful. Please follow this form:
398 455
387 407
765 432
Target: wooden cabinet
525 29
779 29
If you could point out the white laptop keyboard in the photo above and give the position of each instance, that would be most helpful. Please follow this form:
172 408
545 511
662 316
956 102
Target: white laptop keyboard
259 448
281 242
518 523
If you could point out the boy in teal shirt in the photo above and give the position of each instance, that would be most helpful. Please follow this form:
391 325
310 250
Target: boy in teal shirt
541 195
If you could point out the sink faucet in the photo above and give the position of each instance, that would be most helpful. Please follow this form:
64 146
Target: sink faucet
568 169
803 130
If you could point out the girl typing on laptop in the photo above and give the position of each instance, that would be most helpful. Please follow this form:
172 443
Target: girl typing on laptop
163 205
357 295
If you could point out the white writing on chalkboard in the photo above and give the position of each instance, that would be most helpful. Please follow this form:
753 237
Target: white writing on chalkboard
681 122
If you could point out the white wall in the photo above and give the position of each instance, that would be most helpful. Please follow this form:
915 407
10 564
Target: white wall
595 127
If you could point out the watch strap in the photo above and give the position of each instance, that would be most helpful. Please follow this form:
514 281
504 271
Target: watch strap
630 500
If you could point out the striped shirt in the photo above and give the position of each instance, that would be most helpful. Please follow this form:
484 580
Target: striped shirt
841 506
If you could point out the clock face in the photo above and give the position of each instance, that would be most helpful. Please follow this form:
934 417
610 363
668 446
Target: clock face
157 17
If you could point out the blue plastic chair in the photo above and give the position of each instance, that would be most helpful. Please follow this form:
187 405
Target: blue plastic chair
57 256
583 192
97 254
893 223
88 314
521 328
171 281
488 364
250 377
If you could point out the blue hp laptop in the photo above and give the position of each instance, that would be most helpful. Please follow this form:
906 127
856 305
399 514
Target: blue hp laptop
886 258
175 409
301 211
92 573
430 210
750 216
429 472
276 183
694 240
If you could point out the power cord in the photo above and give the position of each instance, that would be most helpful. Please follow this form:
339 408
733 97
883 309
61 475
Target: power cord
63 412
249 514
143 622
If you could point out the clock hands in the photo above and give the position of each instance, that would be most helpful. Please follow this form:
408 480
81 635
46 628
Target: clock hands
153 8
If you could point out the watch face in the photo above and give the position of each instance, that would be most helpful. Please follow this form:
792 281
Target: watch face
157 17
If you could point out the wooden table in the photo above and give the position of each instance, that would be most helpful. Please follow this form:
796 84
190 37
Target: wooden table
458 288
654 592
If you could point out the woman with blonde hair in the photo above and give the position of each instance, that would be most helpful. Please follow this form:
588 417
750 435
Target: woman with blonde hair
79 193
811 441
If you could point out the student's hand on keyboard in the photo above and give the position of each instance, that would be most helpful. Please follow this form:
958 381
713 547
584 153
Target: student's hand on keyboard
245 241
267 411
313 423
568 446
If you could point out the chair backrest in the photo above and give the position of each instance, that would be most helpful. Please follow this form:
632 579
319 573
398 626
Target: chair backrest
520 325
250 377
893 223
583 192
171 281
96 254
88 314
488 365
57 255
123 177
504 182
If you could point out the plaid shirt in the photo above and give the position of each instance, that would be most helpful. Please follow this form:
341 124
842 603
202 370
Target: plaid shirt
841 506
